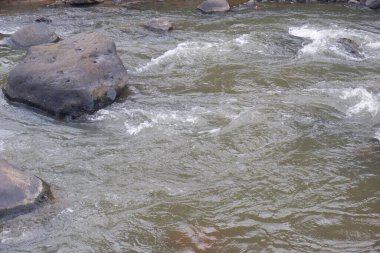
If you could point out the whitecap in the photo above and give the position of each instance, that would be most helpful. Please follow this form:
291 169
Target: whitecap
364 101
186 53
211 131
242 40
9 30
133 130
377 134
139 119
100 115
190 53
374 45
323 40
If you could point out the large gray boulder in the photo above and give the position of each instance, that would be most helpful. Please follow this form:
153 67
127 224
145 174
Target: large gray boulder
76 76
19 191
31 35
80 2
373 4
210 6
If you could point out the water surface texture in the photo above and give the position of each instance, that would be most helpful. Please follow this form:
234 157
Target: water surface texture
244 132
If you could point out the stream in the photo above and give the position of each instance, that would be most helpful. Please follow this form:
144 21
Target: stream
249 131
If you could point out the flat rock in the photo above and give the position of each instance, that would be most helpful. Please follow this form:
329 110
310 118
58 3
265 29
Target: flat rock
19 191
159 25
373 4
31 35
74 77
210 6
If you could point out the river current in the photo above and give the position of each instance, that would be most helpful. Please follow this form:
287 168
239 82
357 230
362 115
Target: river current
251 131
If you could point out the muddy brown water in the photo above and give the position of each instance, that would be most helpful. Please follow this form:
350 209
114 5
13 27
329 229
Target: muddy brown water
244 132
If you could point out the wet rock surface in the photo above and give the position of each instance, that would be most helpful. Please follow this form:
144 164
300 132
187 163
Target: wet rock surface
43 20
19 191
373 4
31 35
350 46
159 25
74 77
210 6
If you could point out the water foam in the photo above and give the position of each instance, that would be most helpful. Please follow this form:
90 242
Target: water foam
9 30
374 45
139 120
189 53
324 40
377 134
133 130
364 100
242 40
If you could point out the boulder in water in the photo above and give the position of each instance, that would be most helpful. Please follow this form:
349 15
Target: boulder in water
350 46
373 4
210 6
57 3
31 35
159 25
251 3
19 191
76 76
43 20
83 2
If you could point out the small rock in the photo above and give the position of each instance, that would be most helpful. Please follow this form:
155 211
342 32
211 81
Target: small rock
76 76
159 25
18 190
31 35
350 46
82 2
210 6
43 20
373 4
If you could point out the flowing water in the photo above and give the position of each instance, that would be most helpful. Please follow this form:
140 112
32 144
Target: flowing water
243 132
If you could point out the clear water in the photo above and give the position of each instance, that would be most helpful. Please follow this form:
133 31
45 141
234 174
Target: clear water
244 132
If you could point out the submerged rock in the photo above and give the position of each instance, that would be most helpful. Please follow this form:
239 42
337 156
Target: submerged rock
80 2
31 35
19 191
350 47
371 151
58 3
43 20
210 6
251 3
159 25
373 4
74 77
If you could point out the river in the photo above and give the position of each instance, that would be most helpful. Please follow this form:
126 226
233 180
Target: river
250 131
